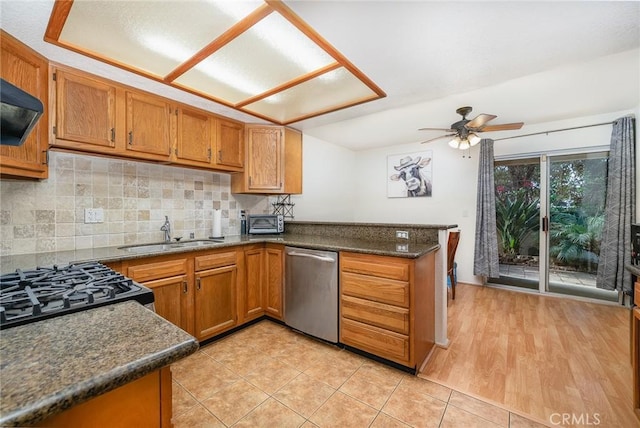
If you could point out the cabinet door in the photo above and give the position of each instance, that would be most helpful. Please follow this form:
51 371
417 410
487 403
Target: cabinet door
26 69
169 295
230 144
85 111
253 300
215 301
292 167
274 281
264 166
195 137
148 125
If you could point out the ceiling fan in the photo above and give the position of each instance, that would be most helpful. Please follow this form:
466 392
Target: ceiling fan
464 132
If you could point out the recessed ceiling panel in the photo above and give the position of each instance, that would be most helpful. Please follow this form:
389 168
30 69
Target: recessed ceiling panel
330 91
256 56
269 54
148 35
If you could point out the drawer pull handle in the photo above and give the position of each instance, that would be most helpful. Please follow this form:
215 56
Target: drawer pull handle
198 283
184 287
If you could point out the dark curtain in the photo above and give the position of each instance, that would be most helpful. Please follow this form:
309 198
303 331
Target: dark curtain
485 262
615 249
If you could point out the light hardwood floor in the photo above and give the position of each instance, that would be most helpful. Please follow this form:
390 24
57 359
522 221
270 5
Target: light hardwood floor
539 355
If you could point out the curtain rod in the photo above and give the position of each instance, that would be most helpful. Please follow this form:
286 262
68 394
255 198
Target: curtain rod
554 130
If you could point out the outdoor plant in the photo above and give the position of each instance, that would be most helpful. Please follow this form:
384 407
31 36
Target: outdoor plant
575 238
516 218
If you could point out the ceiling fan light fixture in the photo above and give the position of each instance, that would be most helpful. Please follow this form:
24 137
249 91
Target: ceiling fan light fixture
473 139
455 142
464 145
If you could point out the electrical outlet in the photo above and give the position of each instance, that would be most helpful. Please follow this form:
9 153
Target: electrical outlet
402 234
93 215
192 235
402 248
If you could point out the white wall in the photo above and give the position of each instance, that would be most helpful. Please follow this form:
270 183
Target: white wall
343 185
328 189
452 201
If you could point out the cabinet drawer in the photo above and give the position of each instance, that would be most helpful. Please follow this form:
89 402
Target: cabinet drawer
378 314
151 271
383 343
211 261
376 266
374 288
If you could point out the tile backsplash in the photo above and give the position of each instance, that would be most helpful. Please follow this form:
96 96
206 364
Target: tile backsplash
48 215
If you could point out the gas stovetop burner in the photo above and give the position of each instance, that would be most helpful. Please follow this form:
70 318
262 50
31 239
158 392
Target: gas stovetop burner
33 295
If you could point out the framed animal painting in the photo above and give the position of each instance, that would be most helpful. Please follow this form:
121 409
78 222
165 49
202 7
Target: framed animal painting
409 175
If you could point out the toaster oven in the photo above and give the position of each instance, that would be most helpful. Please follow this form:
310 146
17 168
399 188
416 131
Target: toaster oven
265 224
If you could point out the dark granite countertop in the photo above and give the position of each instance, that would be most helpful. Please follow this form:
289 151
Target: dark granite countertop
49 366
406 249
635 270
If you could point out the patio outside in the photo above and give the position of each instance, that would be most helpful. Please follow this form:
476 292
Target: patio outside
576 189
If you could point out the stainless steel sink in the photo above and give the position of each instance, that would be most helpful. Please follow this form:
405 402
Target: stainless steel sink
196 243
164 246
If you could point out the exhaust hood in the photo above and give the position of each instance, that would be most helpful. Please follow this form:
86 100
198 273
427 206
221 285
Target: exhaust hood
19 112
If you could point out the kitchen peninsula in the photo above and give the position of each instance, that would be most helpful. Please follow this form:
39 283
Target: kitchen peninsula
110 362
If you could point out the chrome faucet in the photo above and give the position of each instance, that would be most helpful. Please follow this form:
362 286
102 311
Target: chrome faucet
166 228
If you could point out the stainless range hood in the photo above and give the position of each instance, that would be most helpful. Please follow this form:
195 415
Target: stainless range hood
19 112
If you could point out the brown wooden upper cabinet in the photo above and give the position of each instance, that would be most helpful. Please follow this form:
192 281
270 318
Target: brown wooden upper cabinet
230 147
92 114
85 112
148 124
28 70
195 137
273 161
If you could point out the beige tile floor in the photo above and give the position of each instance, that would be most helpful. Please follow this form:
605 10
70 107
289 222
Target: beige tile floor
269 376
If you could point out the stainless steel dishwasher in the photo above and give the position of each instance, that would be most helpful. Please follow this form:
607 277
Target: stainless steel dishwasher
311 292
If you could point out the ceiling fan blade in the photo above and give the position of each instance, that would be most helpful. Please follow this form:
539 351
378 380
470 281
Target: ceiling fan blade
479 121
502 127
437 129
437 138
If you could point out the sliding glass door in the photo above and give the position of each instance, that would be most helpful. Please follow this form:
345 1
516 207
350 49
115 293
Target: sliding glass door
577 190
549 217
518 222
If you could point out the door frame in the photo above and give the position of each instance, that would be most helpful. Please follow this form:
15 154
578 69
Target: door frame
545 163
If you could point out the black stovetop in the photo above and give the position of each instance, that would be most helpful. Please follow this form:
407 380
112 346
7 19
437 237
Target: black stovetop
46 292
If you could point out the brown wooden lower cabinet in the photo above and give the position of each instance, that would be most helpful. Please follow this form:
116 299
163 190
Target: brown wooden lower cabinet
252 297
215 301
145 402
209 292
378 341
171 279
387 306
274 280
